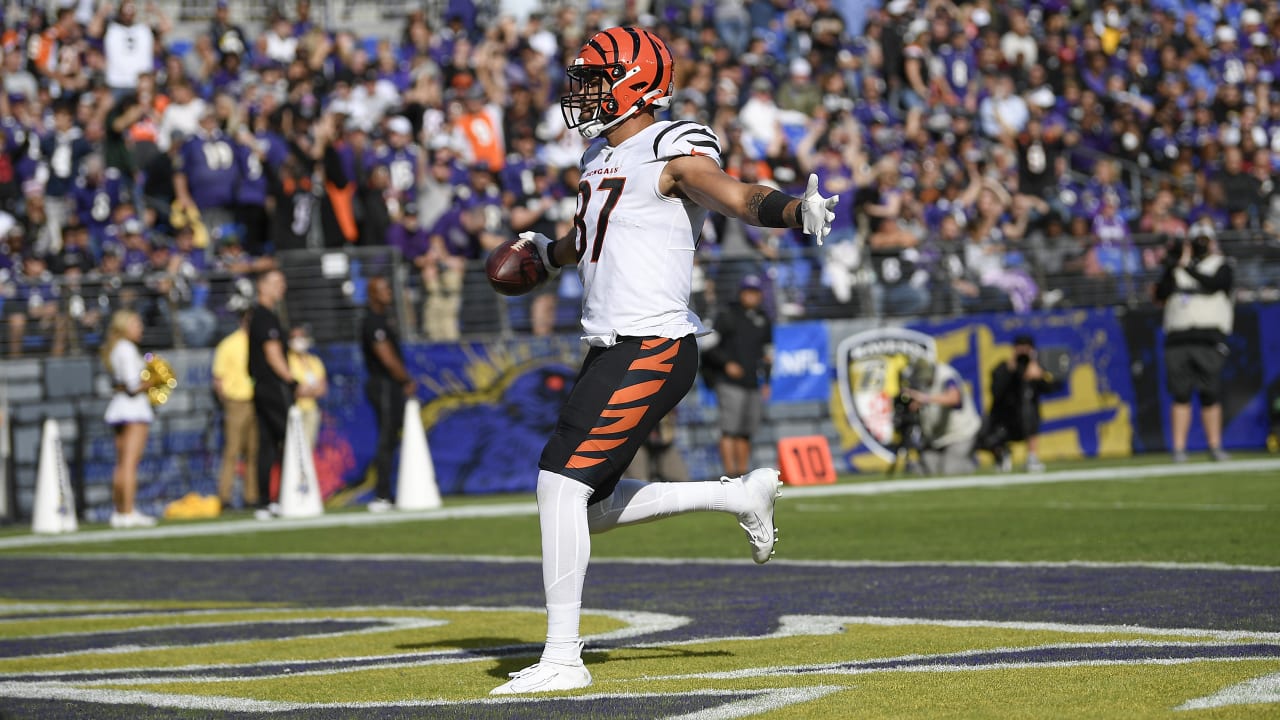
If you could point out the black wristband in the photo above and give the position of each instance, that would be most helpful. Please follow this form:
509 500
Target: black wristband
799 214
551 255
772 208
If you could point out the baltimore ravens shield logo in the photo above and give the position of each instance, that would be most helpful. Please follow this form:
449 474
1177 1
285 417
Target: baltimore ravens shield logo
869 366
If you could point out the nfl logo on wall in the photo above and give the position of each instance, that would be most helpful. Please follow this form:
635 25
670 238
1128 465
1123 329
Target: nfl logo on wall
869 367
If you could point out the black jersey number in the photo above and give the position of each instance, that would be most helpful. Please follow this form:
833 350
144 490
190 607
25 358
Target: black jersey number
613 185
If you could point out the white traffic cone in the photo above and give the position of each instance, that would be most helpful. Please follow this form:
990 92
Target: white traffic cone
416 487
54 507
299 487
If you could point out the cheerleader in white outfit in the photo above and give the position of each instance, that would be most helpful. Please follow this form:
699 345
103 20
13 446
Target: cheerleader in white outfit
129 414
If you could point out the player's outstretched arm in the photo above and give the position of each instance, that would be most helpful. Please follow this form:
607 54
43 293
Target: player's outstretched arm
703 181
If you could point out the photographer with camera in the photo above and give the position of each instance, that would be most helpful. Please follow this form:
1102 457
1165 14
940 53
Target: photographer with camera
1016 388
935 416
1195 290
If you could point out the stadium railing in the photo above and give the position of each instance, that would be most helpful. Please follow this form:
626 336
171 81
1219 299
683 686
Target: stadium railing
327 292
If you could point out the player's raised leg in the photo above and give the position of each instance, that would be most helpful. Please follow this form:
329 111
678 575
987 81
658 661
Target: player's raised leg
750 497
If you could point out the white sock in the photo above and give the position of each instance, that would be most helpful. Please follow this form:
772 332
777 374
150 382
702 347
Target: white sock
636 501
566 549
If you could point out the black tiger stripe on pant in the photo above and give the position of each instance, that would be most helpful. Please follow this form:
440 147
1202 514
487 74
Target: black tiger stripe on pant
620 395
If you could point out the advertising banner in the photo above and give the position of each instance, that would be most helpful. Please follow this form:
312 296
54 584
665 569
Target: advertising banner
1090 416
800 369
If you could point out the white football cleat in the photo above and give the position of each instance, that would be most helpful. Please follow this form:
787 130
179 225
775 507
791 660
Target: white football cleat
133 519
137 519
762 487
545 677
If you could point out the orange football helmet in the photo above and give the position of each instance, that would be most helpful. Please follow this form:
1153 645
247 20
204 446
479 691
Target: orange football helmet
618 73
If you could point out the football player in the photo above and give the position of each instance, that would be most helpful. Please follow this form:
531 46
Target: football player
645 188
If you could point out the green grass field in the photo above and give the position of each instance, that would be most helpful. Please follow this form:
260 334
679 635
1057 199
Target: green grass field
1125 594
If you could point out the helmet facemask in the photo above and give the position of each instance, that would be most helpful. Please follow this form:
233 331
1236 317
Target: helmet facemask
591 106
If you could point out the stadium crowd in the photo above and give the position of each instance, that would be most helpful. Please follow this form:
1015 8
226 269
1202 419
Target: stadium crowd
987 150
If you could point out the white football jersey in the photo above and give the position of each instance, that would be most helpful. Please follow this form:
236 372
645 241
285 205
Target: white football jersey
635 245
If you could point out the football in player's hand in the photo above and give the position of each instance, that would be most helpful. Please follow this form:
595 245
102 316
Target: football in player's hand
515 267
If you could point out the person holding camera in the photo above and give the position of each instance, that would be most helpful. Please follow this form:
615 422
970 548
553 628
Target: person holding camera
1016 388
1195 290
935 409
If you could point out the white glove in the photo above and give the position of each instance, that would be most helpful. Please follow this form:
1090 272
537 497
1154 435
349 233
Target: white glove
543 243
816 211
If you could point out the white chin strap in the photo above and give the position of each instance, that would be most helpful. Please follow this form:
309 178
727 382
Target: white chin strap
594 127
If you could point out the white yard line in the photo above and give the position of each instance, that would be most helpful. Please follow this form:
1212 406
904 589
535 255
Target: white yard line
761 701
884 487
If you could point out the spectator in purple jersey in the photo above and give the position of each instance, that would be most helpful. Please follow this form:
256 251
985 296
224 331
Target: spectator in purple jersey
407 235
12 246
401 158
32 313
390 68
303 23
957 66
137 249
1113 253
482 189
1106 181
97 192
871 108
1226 61
205 174
251 190
1210 203
517 175
22 141
229 76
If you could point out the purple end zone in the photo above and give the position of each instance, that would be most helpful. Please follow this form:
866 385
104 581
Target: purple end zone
729 599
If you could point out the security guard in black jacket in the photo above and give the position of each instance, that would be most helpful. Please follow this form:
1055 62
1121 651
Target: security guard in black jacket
739 364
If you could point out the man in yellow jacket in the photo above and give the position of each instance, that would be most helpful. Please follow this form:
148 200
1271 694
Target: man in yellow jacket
234 388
